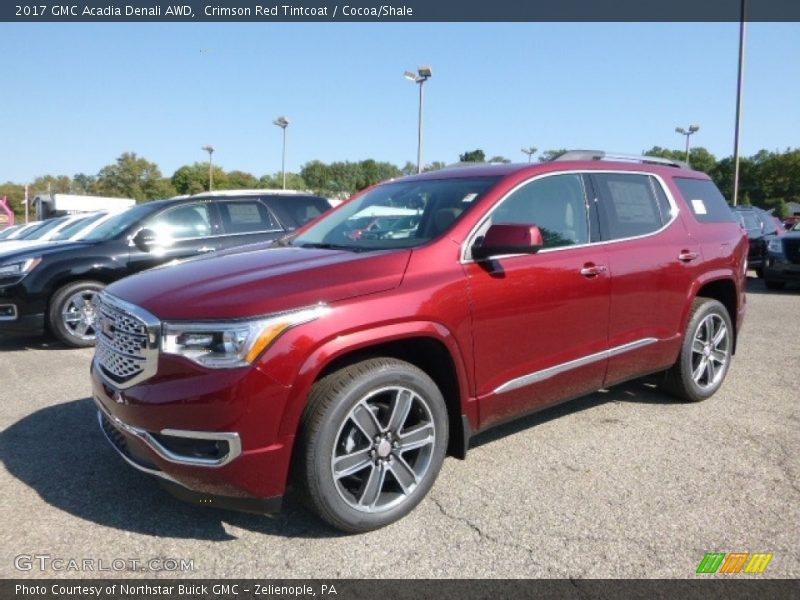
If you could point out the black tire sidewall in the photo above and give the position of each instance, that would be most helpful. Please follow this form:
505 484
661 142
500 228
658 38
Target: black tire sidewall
339 512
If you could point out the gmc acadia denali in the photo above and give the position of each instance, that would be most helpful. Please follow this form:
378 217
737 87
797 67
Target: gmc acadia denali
350 365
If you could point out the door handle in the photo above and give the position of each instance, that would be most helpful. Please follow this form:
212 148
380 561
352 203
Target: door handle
204 249
590 270
687 256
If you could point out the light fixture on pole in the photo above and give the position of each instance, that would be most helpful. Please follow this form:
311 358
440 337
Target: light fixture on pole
530 152
210 150
421 76
283 123
687 132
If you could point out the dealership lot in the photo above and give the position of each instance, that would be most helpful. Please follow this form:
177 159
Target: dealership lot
621 483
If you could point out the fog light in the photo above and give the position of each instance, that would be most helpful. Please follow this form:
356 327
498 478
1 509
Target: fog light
8 312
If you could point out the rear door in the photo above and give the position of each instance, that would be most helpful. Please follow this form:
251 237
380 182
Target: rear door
652 262
247 220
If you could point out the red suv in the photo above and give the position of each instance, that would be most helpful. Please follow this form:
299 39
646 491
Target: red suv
352 366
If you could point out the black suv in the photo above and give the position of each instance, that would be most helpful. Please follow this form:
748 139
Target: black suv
761 227
52 287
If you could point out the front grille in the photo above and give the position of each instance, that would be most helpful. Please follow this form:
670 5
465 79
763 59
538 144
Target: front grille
791 246
126 350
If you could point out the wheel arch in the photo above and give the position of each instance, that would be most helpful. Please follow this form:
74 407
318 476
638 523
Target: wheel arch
428 346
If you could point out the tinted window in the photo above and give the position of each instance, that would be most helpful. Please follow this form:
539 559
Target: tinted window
705 201
663 204
180 222
629 206
247 216
557 204
295 211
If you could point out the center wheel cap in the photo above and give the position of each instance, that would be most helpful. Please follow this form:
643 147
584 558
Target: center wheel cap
384 448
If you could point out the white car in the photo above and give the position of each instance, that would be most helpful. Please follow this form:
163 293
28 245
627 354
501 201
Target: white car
45 231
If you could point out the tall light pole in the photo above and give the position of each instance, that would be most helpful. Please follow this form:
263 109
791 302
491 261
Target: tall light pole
422 75
530 152
739 84
687 132
283 123
210 150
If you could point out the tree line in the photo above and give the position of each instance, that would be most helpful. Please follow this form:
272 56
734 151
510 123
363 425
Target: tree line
766 179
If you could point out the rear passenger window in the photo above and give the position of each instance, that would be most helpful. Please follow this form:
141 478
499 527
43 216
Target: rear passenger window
247 216
628 205
557 204
706 202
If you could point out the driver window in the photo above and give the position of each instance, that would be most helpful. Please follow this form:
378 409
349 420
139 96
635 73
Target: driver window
557 204
181 222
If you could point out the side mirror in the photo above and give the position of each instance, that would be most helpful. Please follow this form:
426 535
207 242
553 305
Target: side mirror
144 239
504 238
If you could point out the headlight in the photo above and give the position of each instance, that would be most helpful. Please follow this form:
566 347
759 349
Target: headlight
19 268
775 245
227 344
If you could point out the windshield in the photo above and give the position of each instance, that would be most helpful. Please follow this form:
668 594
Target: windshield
8 231
46 227
118 223
796 226
404 214
76 226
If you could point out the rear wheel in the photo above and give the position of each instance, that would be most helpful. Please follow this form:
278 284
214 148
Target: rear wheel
372 442
705 354
71 316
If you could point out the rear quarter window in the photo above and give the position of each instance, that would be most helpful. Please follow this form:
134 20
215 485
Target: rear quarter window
295 211
705 201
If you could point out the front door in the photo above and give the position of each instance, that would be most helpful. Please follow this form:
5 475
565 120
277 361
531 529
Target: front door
541 321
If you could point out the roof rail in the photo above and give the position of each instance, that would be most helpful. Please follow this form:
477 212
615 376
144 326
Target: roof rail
246 192
602 155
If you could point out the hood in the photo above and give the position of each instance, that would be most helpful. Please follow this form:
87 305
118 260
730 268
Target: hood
260 281
10 253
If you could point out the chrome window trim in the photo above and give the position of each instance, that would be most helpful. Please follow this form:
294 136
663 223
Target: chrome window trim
232 438
674 212
549 372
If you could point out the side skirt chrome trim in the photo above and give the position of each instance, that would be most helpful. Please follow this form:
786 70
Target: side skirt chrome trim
538 376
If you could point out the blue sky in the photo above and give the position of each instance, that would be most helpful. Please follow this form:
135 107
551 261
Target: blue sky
76 96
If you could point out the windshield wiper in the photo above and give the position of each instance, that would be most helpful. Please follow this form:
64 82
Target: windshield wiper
322 246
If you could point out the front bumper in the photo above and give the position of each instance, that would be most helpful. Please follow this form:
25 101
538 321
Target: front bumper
777 268
227 451
113 432
23 312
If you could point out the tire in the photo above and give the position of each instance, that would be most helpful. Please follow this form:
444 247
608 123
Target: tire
372 441
71 314
760 272
774 285
705 353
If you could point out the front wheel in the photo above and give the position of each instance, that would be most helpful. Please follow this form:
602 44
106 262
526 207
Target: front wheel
373 439
71 316
772 284
705 353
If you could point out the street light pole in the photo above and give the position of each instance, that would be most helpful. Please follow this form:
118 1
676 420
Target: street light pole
283 123
210 150
530 152
739 84
422 75
687 132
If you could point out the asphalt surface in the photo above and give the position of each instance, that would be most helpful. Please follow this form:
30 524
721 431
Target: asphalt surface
621 483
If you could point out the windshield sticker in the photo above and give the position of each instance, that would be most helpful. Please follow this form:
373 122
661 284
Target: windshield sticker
699 207
469 197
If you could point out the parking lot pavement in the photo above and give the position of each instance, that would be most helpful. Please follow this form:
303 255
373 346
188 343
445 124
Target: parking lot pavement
621 483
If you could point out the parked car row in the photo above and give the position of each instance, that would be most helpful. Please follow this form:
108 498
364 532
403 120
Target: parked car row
761 227
50 286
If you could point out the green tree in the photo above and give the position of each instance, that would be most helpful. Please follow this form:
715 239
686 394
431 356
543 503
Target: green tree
53 184
472 156
434 166
240 180
16 198
499 159
132 177
83 184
